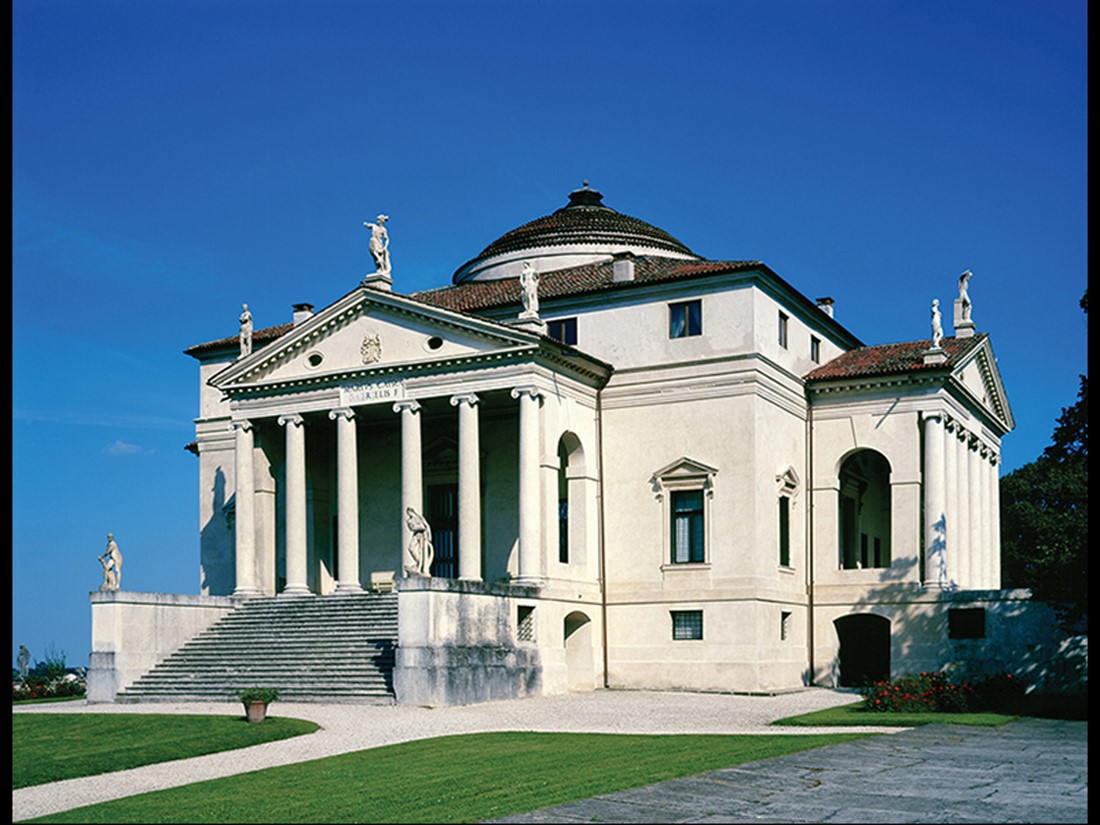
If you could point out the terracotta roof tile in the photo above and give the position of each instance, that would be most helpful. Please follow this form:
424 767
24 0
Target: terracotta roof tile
890 359
259 338
577 280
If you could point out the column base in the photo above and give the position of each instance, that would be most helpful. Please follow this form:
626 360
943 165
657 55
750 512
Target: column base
246 593
296 590
347 587
530 581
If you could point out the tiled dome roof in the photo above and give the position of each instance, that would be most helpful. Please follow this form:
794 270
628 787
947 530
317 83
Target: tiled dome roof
584 220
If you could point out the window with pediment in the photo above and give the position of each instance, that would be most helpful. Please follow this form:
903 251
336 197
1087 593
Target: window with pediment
684 489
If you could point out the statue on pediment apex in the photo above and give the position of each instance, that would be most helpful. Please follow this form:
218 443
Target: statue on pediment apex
380 244
529 291
246 331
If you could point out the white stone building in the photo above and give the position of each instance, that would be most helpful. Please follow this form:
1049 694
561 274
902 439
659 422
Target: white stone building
657 471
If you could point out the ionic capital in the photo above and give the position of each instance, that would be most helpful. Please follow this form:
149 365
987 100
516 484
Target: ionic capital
530 390
410 405
242 424
464 398
291 418
342 412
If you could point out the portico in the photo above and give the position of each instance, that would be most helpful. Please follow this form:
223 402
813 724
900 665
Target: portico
337 446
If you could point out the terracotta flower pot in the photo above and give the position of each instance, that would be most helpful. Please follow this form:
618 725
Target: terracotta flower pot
257 711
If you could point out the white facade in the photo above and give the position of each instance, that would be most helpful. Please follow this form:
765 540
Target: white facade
743 488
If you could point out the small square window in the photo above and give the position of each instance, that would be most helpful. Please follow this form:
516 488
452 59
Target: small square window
783 318
525 623
687 624
966 623
563 329
815 350
685 319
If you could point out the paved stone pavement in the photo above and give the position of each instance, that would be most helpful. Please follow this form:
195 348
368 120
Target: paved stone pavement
1057 750
1031 770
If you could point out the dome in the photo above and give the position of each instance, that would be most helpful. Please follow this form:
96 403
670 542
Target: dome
583 231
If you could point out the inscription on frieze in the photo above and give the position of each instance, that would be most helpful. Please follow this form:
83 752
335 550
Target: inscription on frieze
373 392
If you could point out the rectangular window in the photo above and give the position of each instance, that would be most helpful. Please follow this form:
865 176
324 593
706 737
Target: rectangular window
966 623
783 329
563 530
815 350
685 319
784 531
687 624
784 625
564 330
687 526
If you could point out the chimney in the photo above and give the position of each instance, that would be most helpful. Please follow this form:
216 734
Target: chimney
826 306
302 312
622 267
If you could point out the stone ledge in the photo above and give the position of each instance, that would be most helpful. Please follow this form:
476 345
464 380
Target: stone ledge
414 584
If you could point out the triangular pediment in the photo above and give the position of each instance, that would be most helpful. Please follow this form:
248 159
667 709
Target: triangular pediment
370 330
979 379
684 468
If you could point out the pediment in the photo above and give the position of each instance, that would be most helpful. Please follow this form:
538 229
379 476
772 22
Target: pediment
980 379
684 469
366 331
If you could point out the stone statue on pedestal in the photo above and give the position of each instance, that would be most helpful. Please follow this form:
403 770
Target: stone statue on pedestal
964 296
937 324
246 331
23 661
380 244
112 565
529 286
420 546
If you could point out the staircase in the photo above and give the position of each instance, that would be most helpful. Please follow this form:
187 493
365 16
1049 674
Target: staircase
311 648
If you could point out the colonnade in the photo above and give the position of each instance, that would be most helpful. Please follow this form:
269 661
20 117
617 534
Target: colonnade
412 496
962 531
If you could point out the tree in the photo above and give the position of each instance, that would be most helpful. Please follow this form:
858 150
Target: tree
1044 517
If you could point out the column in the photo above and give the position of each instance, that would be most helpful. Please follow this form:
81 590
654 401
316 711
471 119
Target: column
974 497
245 519
530 570
347 501
469 487
934 498
961 533
951 503
412 484
987 519
995 508
296 582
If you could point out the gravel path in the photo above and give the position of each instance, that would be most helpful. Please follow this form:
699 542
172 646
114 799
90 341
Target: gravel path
354 727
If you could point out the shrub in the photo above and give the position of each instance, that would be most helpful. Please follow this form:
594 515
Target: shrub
257 694
999 692
918 693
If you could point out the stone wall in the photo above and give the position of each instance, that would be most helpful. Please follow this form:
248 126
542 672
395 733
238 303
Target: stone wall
132 632
461 642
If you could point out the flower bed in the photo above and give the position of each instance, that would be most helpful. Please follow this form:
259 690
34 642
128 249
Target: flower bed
935 692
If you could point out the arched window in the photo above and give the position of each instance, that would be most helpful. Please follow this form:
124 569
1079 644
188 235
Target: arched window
864 516
571 491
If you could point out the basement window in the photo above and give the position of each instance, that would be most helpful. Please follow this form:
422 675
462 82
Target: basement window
966 623
687 624
525 623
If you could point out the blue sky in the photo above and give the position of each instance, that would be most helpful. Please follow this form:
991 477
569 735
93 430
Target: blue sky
173 160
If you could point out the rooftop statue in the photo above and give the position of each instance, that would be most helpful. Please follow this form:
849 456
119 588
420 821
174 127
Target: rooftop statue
937 324
964 295
246 331
529 286
112 565
380 244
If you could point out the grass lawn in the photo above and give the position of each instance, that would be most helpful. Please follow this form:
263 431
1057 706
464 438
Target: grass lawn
47 747
47 701
468 778
854 714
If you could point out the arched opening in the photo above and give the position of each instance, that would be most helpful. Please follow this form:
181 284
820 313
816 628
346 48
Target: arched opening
864 517
864 649
571 502
579 660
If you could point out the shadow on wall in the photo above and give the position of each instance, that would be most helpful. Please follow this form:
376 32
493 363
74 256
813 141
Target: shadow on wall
1004 631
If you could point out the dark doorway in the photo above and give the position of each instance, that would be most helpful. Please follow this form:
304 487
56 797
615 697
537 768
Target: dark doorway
864 649
443 517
